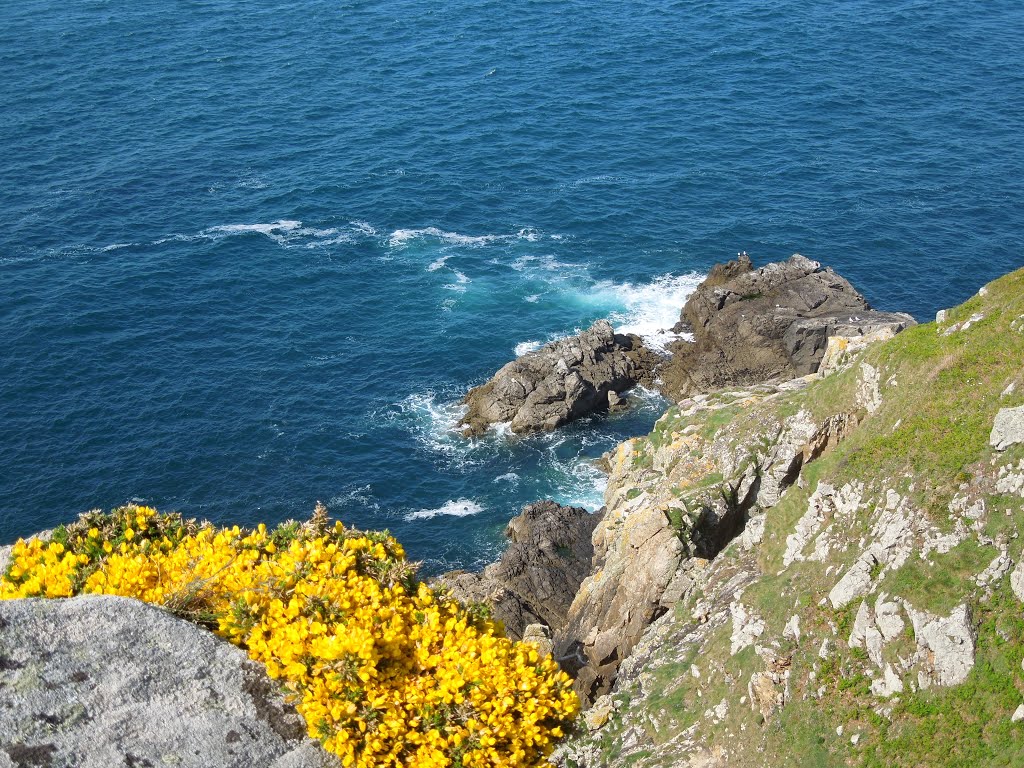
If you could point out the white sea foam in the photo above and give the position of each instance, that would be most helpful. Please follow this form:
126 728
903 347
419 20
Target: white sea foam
401 237
116 247
361 496
574 479
274 229
436 264
434 423
533 298
456 508
543 264
648 309
285 232
524 347
508 477
364 228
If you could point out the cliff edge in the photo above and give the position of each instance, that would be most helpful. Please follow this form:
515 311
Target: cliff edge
825 571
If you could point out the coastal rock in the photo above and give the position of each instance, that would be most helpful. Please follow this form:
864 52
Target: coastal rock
562 381
549 554
771 323
636 554
841 350
101 681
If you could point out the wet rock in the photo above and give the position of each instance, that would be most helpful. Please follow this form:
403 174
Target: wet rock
100 681
562 381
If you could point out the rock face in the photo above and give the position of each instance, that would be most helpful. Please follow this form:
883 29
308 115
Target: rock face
560 382
548 556
102 681
672 503
755 325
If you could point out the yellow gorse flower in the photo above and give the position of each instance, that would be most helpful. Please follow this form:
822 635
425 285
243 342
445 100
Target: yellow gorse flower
385 671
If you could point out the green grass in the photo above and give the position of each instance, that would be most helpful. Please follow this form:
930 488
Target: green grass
946 583
968 725
718 419
930 435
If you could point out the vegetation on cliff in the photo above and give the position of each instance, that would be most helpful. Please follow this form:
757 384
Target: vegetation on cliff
386 671
851 584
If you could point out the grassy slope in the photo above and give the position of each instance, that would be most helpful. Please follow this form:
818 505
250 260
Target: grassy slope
928 440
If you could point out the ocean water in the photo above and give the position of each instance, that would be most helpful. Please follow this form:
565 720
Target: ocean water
251 254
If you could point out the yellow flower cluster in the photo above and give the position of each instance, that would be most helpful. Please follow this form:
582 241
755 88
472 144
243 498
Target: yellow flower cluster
385 671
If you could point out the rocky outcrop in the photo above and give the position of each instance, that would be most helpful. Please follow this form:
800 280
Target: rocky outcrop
1008 428
562 381
548 556
103 681
854 590
946 645
771 323
673 501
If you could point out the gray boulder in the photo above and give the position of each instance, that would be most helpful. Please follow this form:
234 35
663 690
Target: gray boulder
755 325
102 681
548 557
1008 428
562 381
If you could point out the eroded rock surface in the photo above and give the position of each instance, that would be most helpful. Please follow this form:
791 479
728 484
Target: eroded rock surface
562 381
548 556
771 323
101 681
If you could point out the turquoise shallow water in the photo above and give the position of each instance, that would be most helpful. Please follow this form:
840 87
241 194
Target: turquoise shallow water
251 256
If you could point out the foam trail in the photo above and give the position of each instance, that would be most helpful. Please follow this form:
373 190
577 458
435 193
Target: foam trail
456 508
402 237
364 228
361 496
270 230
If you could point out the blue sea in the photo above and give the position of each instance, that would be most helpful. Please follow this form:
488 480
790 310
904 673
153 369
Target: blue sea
252 254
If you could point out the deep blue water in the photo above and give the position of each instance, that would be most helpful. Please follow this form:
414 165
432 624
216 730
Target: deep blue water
252 253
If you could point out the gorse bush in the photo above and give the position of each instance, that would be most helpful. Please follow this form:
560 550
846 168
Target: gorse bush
385 671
